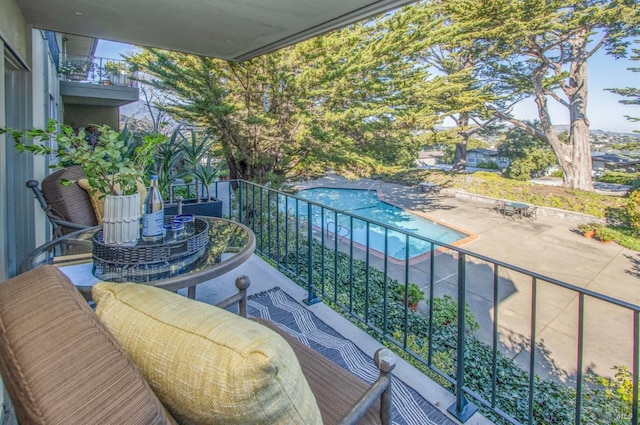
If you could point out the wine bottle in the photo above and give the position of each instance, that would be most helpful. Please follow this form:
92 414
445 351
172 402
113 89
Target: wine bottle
153 213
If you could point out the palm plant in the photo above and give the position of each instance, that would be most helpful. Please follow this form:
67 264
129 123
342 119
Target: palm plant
194 149
166 162
206 172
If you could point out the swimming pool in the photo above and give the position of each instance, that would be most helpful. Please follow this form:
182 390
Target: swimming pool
367 204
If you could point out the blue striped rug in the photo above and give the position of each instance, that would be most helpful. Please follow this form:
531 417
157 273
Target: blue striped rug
409 408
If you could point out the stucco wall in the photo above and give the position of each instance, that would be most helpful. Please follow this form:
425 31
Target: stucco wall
77 116
13 28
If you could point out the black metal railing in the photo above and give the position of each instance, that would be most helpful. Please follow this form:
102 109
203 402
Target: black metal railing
463 340
97 70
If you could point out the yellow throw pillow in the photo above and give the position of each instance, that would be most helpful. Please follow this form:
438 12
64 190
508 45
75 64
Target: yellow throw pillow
205 364
97 199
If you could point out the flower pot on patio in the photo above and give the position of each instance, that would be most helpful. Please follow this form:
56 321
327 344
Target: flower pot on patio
589 234
589 229
413 296
605 234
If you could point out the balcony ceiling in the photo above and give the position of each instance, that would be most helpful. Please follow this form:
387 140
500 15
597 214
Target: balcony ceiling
226 29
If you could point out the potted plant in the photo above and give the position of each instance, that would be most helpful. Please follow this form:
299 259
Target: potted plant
118 72
75 69
414 295
605 234
588 229
200 166
114 166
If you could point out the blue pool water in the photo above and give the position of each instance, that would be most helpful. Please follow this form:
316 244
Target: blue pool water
366 204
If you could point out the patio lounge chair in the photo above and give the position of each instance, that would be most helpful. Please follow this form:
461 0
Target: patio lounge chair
61 363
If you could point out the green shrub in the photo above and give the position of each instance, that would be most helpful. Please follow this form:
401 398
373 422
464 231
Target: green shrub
488 165
633 211
414 294
631 179
605 233
587 227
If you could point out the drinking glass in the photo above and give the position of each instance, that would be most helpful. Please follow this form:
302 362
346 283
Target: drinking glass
173 232
188 220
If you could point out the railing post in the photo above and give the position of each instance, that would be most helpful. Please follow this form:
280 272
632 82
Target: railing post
240 182
462 409
312 297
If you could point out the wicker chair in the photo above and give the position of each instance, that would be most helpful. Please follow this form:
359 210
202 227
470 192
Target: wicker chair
68 207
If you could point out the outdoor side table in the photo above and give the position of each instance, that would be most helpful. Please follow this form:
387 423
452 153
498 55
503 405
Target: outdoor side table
230 245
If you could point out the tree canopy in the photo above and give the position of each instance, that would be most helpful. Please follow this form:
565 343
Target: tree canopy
541 49
631 94
372 94
348 101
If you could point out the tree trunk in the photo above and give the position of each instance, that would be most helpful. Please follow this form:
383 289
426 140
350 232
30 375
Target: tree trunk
574 157
460 159
578 174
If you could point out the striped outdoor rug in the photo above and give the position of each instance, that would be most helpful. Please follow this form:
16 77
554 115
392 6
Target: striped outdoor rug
408 406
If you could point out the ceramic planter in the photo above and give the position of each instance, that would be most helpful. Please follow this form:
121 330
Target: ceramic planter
121 222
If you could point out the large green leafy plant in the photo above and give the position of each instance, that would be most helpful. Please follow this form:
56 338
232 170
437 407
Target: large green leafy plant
113 164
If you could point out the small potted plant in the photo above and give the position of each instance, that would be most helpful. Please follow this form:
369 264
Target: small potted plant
605 234
199 166
75 69
118 72
414 295
588 229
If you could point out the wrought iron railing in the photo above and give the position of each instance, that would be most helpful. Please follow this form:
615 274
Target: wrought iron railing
96 70
315 246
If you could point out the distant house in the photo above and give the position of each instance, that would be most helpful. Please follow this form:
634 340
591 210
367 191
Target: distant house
479 155
602 162
429 158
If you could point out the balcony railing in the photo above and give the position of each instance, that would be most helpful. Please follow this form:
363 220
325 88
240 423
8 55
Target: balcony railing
96 70
311 243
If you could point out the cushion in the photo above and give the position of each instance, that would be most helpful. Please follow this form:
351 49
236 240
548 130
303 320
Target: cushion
60 365
336 389
207 365
97 198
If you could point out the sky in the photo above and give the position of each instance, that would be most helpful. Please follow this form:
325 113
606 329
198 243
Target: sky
604 110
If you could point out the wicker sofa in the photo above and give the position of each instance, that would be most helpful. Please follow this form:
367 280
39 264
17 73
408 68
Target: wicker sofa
60 363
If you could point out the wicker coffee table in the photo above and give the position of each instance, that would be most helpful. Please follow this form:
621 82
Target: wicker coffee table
230 244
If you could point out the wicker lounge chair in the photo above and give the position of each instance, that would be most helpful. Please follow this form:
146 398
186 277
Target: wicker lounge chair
68 207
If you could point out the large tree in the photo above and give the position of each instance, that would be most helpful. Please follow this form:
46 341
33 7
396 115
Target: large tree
544 47
461 65
345 101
